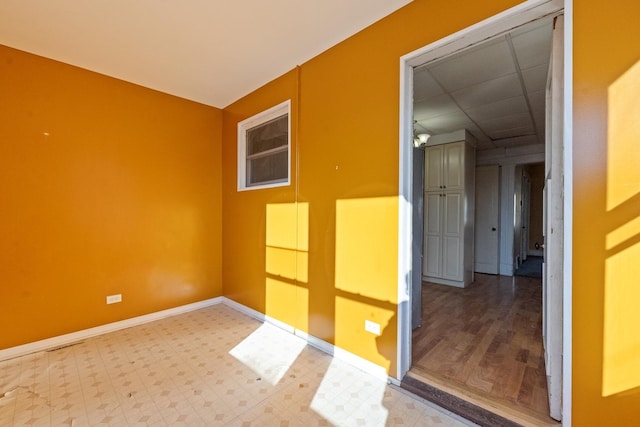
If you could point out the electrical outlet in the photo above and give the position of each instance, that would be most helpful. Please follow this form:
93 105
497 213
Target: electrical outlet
372 327
112 299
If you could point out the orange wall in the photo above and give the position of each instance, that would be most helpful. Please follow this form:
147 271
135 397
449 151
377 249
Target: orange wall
347 153
106 187
606 205
344 201
245 274
123 195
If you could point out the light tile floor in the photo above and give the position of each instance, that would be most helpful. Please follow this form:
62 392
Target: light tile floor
210 367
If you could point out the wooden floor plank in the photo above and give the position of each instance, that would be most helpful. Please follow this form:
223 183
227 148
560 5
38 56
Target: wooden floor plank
486 338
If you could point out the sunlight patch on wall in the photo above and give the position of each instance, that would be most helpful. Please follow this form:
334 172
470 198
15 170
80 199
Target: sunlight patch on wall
367 247
621 353
287 240
623 156
621 234
269 352
288 303
286 261
621 335
350 333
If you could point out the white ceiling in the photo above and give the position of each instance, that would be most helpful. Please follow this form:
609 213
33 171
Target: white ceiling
210 51
495 90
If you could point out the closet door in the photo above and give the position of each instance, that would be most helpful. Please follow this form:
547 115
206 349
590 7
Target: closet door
453 166
452 240
432 261
433 168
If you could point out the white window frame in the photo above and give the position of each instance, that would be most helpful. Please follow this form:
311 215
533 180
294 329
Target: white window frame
250 123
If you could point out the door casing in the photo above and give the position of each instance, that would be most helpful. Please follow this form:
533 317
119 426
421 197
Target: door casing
505 21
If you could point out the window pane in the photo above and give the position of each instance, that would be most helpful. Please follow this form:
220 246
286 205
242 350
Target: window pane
271 168
269 135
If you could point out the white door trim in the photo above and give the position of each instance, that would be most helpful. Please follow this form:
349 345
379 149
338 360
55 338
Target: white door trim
567 256
498 24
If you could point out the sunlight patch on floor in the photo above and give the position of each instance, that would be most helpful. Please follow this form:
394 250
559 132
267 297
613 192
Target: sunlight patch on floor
269 352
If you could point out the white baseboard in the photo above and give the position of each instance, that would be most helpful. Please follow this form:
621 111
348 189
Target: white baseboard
440 281
62 340
340 354
66 339
346 356
257 315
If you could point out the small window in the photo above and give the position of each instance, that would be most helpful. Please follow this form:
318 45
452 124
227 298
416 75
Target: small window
263 149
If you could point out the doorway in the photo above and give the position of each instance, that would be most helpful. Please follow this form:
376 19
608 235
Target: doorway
495 26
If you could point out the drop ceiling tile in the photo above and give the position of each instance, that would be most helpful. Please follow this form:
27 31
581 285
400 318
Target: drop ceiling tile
424 86
512 133
517 141
540 119
533 47
478 134
501 123
517 104
485 145
434 106
488 92
446 123
537 99
474 66
535 78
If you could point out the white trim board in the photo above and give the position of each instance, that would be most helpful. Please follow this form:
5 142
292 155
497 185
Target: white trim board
73 337
567 299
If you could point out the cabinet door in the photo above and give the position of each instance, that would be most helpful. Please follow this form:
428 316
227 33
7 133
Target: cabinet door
432 261
452 236
453 166
433 168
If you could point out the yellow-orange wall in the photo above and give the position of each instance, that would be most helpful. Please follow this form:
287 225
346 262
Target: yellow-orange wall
124 193
245 274
105 187
344 198
606 211
347 132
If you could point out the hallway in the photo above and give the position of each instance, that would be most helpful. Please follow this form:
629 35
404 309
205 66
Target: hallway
485 341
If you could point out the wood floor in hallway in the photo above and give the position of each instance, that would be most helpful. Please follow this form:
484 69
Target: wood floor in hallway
486 340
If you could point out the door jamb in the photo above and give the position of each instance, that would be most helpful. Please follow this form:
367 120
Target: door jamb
500 23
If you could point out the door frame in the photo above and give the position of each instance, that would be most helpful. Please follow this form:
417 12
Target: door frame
498 24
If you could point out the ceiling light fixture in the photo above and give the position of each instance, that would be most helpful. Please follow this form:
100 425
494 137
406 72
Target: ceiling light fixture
421 139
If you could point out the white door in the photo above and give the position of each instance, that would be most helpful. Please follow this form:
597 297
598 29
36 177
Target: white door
517 218
526 214
453 166
432 259
452 245
487 219
554 226
433 168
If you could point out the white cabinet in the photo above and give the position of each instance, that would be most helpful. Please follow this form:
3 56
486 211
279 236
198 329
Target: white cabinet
448 219
444 167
